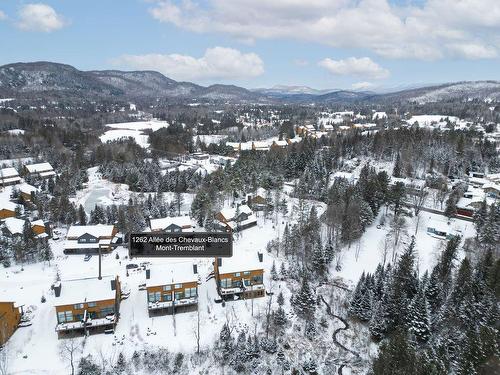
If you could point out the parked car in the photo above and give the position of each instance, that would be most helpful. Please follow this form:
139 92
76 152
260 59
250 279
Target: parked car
131 266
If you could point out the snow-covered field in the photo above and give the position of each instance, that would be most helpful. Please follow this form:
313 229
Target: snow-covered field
133 130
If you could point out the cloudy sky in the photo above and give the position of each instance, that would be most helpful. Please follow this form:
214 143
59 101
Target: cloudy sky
350 44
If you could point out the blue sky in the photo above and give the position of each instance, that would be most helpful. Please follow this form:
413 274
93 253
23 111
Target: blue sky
361 44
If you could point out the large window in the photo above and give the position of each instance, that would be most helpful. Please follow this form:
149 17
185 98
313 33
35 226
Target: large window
190 292
154 297
246 282
179 295
107 311
166 288
78 306
225 283
64 316
178 286
257 279
91 304
167 297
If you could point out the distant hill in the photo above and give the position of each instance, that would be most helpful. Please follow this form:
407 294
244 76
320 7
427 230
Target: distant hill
60 80
54 80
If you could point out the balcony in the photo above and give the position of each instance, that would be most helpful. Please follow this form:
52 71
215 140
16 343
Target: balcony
167 304
90 323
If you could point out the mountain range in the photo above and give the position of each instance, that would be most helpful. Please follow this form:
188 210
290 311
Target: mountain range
54 80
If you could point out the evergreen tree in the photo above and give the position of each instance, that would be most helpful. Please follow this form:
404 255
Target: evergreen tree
304 302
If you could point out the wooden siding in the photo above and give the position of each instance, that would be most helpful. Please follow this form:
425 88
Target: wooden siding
9 320
4 213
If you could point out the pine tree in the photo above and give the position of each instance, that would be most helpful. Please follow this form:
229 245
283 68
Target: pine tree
418 318
280 299
82 216
396 172
304 302
274 273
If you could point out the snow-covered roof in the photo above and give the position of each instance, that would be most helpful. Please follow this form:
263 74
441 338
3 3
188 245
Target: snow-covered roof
27 188
98 230
8 173
7 205
162 223
85 290
171 273
281 143
346 175
39 167
230 212
14 225
38 222
244 261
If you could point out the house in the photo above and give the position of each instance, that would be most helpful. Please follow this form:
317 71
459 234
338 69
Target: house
260 146
9 176
279 144
412 185
89 238
10 317
26 191
7 209
259 201
237 218
171 224
41 170
14 226
171 286
234 145
86 305
38 228
241 276
492 190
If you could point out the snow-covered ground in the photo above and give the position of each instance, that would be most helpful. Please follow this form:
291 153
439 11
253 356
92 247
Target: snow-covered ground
133 130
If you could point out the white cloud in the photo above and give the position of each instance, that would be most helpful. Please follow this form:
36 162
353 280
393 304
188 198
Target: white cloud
362 85
216 63
357 67
3 16
39 17
433 29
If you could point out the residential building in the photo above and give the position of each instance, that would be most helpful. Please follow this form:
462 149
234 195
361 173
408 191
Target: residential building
171 224
9 176
10 316
7 209
41 170
26 192
241 276
172 286
259 200
237 218
89 238
87 305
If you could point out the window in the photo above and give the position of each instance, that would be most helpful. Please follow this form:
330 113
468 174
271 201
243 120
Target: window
167 297
91 304
178 286
237 274
61 317
179 295
78 306
225 283
257 279
246 282
237 283
154 296
190 292
246 273
107 311
166 288
68 316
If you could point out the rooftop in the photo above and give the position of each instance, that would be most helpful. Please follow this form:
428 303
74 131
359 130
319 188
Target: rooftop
98 230
171 273
239 262
89 289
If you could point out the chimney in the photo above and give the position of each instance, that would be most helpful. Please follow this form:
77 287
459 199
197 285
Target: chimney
219 262
113 284
57 289
249 200
195 269
148 274
261 256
